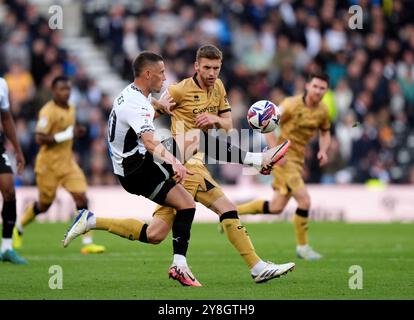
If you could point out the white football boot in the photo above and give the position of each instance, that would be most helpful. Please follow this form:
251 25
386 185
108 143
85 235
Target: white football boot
78 227
272 271
307 253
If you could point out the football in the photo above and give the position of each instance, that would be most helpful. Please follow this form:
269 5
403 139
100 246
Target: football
263 115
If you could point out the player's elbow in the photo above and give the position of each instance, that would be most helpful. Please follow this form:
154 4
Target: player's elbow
5 116
148 141
39 140
149 146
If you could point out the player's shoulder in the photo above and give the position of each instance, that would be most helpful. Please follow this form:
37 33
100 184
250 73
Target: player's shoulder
48 107
299 98
48 111
72 107
131 97
129 92
323 106
183 84
291 101
219 84
181 89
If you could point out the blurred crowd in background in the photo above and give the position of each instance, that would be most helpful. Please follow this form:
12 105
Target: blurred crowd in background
269 47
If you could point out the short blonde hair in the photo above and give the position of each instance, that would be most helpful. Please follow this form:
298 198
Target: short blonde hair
209 52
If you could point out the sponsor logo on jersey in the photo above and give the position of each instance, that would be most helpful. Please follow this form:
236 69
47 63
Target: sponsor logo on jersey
210 109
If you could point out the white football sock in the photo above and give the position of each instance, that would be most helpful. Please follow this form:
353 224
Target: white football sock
87 240
180 260
302 247
6 244
91 222
258 267
19 226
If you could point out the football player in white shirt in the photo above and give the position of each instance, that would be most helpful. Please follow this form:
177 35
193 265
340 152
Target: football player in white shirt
8 212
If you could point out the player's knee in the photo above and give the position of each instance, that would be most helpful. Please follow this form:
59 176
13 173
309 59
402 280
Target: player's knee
304 202
43 207
275 210
155 237
9 195
186 203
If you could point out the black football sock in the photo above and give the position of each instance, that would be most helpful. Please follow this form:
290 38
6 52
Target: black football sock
36 210
8 214
181 230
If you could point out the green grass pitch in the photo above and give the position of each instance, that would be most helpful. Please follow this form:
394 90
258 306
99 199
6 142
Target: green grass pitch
132 270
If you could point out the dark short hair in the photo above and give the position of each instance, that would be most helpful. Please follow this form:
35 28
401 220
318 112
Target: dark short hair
143 59
58 79
319 75
209 52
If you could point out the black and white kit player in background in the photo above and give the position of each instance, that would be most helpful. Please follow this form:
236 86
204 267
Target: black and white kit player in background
8 193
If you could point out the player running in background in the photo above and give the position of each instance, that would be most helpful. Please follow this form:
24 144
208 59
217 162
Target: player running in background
55 164
8 213
144 167
302 116
201 103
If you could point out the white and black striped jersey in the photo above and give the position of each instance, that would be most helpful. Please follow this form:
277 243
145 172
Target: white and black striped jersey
4 100
132 114
4 95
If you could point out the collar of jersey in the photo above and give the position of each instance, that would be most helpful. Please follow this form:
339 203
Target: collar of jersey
196 81
134 87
